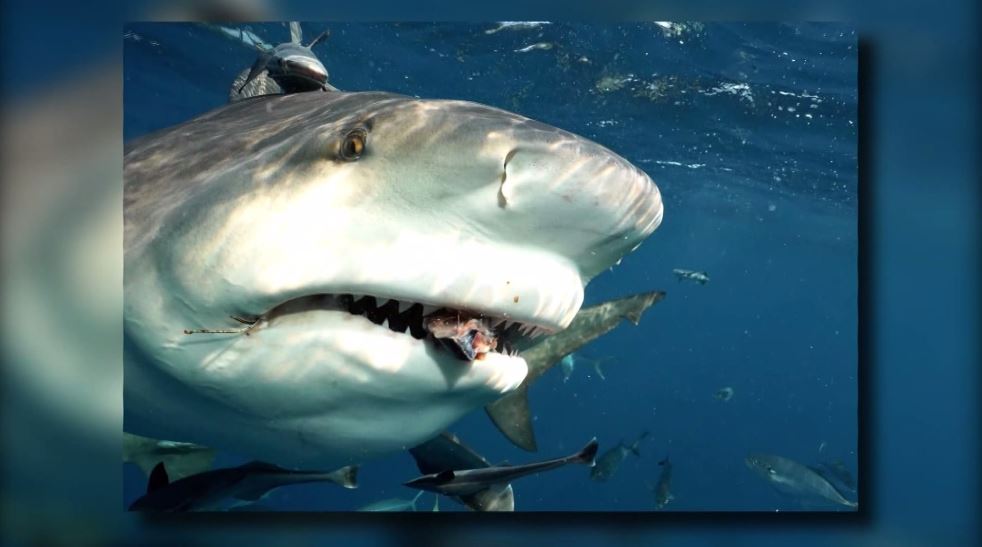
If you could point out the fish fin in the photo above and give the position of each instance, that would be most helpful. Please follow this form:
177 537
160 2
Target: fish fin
600 372
158 478
319 38
416 498
296 33
445 476
257 68
651 298
512 417
588 454
346 476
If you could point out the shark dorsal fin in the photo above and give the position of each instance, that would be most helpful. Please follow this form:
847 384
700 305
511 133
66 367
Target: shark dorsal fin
445 476
296 34
158 478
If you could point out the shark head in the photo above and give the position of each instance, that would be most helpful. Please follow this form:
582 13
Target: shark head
296 68
335 224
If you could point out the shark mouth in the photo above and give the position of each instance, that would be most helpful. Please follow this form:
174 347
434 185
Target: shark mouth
468 335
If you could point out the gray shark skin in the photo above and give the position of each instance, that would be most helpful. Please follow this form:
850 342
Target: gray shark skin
445 452
467 482
610 461
290 67
180 459
214 490
797 480
276 210
511 413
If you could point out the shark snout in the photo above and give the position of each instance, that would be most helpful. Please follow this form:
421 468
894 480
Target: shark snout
588 203
306 67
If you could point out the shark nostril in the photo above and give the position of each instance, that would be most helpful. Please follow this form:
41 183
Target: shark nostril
502 200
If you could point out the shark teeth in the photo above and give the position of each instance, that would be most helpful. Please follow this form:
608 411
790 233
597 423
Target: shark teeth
409 318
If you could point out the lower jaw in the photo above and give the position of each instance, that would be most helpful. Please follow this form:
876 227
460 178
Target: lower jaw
323 387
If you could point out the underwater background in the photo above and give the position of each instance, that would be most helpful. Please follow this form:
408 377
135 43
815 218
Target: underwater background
750 132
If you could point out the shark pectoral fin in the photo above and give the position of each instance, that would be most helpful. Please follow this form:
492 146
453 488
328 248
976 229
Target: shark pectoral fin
158 478
650 299
256 70
512 417
317 40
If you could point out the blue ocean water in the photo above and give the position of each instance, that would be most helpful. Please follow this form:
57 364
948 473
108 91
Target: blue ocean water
750 132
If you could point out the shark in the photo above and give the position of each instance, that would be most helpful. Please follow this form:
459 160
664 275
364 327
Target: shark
290 67
468 482
228 487
511 414
284 257
446 452
801 482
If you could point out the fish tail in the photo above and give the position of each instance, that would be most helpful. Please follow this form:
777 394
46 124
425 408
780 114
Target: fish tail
588 455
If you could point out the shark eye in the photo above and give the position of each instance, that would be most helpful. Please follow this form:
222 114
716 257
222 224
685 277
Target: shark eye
353 145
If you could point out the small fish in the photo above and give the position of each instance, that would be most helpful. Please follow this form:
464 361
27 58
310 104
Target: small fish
568 365
541 45
724 394
797 480
220 488
392 505
470 481
663 490
701 277
611 460
515 25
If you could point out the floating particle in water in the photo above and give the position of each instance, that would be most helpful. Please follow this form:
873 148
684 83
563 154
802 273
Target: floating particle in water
613 82
771 207
541 45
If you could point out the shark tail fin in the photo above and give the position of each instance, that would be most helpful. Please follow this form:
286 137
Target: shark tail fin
346 476
588 454
511 415
296 33
637 442
158 478
256 70
318 39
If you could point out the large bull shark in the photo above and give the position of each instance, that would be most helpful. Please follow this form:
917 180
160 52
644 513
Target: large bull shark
354 235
